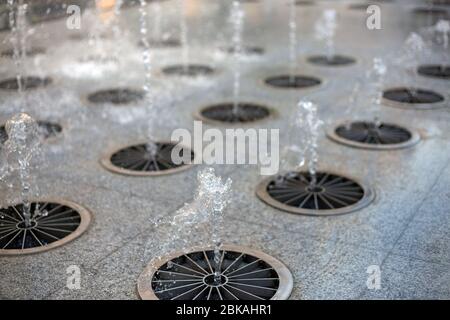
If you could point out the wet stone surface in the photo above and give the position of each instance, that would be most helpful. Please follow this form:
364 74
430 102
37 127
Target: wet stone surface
404 228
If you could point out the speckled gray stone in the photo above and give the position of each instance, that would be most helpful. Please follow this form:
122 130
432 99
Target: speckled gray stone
405 230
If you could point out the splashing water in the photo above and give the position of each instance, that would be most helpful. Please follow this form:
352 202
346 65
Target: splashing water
218 193
151 145
146 55
292 39
414 49
211 198
18 38
184 35
443 28
23 143
157 21
237 21
325 30
309 124
375 78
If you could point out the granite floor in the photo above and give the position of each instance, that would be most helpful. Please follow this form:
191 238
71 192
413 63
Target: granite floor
405 231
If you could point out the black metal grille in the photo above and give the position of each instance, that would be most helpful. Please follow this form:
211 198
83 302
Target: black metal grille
335 60
293 82
49 222
372 133
191 70
191 277
430 11
132 3
435 71
304 3
26 82
330 191
141 158
245 112
31 52
116 96
41 11
409 95
246 50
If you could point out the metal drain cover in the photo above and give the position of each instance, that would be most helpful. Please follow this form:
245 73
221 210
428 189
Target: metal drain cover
304 3
132 3
139 160
247 274
293 82
359 6
435 71
245 50
46 129
53 224
31 52
51 10
430 11
333 194
412 96
369 135
116 96
246 112
335 60
191 70
28 83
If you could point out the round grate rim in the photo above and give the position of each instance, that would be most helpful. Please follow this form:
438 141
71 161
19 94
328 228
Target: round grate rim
116 96
292 82
28 83
191 70
335 194
435 71
274 280
136 160
64 222
365 135
223 113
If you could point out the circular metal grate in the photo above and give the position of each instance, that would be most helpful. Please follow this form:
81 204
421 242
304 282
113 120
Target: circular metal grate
47 130
246 50
246 112
369 135
52 224
331 195
441 2
51 10
412 96
359 6
139 160
192 70
28 83
430 11
31 52
132 3
335 60
304 3
116 96
246 274
435 71
292 82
